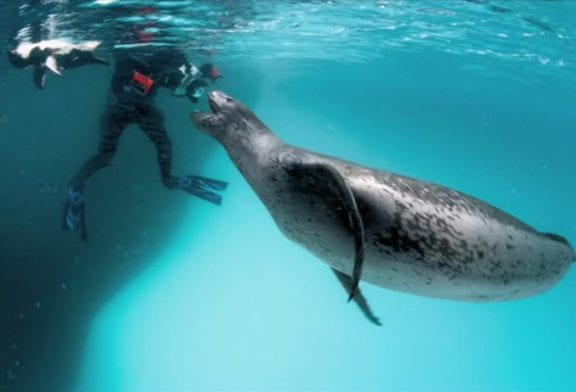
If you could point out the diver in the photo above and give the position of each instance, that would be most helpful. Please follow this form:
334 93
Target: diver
137 76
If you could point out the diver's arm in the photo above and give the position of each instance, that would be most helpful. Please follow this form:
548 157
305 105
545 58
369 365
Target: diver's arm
207 72
182 77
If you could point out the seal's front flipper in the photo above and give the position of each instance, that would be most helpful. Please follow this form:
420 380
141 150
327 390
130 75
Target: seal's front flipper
40 76
203 187
358 297
327 181
52 65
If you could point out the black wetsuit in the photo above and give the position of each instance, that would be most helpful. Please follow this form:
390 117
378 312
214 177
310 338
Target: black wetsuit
130 103
137 77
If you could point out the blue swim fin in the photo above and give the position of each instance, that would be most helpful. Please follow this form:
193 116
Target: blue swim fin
203 187
74 212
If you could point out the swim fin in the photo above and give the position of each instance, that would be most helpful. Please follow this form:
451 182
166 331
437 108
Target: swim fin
74 212
203 187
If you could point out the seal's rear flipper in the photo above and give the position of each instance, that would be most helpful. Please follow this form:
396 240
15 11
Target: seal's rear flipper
40 76
557 237
562 240
326 180
358 297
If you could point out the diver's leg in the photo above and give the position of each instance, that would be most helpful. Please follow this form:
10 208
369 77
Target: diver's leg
151 122
113 122
205 188
112 125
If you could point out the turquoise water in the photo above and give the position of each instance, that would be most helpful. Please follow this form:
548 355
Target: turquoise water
173 294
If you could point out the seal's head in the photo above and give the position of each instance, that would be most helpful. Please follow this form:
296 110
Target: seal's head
16 59
229 118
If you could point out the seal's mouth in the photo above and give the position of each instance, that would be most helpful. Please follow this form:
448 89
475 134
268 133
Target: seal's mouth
205 120
220 105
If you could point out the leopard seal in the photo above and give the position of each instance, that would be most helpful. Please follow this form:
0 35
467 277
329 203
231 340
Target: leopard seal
384 228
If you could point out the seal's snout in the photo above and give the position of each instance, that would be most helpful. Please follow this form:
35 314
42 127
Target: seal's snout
218 101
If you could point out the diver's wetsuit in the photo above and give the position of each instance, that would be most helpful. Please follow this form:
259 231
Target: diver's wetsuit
137 77
128 104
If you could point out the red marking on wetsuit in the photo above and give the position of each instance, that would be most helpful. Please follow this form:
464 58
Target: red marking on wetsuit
142 82
145 37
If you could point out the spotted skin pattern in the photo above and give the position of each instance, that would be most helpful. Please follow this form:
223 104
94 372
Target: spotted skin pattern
420 238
